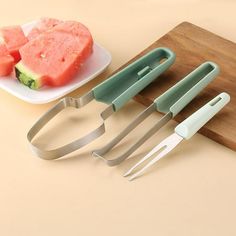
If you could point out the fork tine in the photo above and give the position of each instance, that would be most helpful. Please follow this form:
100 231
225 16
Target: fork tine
168 144
153 161
154 150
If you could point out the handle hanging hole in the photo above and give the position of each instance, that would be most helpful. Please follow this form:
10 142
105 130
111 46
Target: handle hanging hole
213 103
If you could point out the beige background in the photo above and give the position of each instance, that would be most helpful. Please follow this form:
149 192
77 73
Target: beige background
190 192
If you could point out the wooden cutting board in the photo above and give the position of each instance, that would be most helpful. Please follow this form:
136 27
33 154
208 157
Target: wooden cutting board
193 46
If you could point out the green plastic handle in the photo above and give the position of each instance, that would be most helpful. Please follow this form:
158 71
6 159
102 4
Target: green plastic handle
193 123
182 93
125 84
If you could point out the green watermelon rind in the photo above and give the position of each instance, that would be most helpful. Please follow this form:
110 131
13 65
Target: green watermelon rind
27 77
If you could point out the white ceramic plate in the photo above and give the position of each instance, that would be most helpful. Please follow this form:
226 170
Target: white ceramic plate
96 64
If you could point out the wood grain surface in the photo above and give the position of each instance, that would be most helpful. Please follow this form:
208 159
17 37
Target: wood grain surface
193 46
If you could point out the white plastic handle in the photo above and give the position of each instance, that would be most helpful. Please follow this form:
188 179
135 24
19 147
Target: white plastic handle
193 123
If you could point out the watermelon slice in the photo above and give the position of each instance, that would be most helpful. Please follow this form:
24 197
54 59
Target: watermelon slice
54 57
6 61
13 37
43 25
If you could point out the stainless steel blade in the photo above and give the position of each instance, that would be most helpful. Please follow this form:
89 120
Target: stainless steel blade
117 160
79 143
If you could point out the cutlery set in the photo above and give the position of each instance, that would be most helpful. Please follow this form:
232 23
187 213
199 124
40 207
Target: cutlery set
118 89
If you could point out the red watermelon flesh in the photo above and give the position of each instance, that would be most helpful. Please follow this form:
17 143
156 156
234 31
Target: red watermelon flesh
6 61
14 39
54 57
43 25
35 32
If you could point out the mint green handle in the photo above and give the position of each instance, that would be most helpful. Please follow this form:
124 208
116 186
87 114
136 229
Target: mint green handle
182 93
193 123
125 84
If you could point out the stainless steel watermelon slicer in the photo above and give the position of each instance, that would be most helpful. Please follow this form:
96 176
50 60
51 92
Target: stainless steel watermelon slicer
116 91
